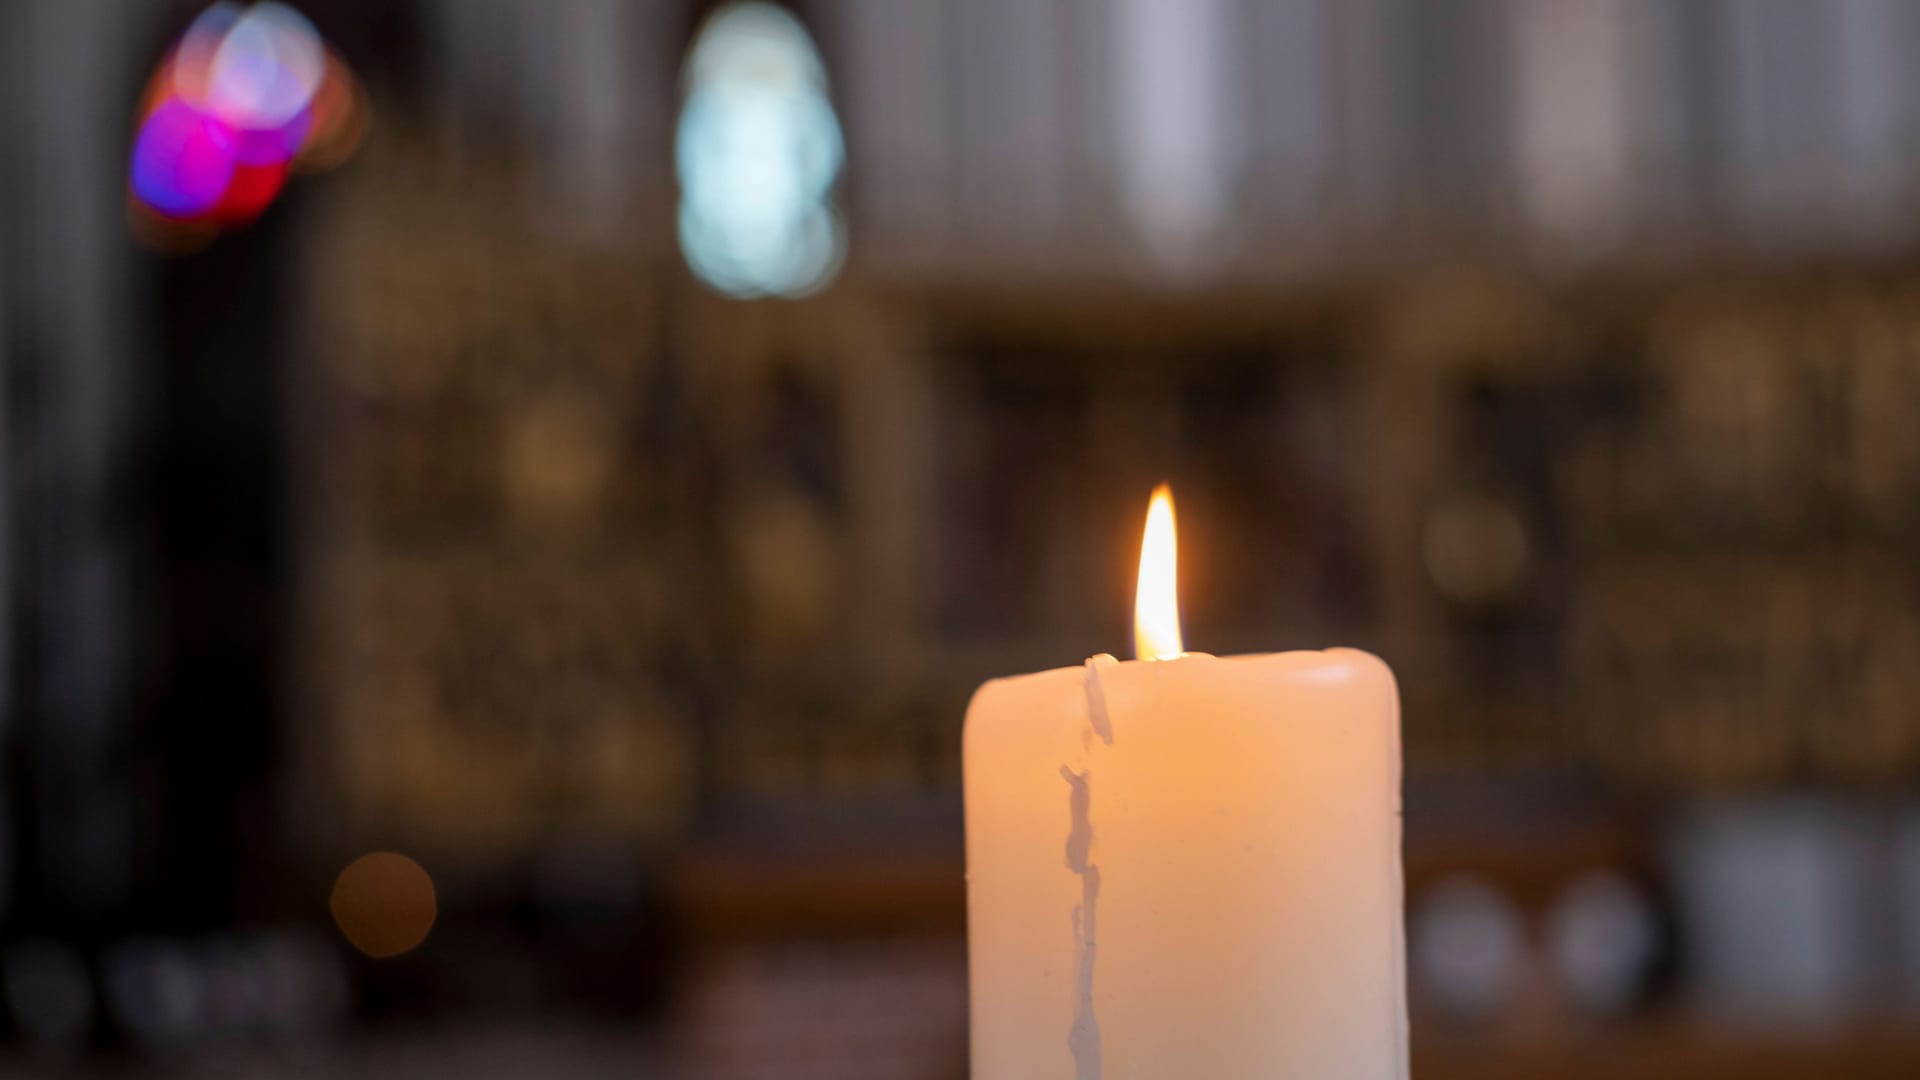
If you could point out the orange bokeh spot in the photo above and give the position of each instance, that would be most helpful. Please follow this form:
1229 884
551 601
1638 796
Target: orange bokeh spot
384 903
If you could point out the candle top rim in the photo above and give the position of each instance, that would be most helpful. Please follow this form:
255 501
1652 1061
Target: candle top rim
1338 657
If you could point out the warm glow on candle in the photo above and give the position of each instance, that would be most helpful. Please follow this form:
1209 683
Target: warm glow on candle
1156 601
1229 903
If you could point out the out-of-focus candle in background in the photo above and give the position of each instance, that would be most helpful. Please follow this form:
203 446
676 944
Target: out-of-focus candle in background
1186 865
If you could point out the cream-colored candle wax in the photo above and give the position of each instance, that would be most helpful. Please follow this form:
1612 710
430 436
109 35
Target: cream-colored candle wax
1187 867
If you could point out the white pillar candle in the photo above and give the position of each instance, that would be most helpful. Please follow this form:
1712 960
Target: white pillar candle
1186 866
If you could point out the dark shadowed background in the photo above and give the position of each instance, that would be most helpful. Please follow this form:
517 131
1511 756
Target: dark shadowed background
571 526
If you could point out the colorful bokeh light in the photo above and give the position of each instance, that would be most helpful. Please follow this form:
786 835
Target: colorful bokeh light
247 95
182 160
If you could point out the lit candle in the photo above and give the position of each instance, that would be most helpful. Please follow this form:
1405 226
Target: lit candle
1186 865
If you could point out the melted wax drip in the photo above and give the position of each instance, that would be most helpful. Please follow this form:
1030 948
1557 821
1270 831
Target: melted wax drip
1083 1038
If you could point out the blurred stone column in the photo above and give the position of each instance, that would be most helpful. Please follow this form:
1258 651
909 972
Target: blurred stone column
1180 120
584 87
72 69
1573 61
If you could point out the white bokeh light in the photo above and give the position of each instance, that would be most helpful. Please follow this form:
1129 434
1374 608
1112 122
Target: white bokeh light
758 152
267 68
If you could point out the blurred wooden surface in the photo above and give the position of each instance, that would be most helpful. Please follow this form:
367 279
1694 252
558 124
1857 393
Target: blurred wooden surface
1679 1048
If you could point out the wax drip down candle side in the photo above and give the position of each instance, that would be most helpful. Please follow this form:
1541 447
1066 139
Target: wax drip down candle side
1231 890
1083 1038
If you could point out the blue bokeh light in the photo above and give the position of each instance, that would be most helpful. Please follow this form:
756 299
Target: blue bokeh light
182 160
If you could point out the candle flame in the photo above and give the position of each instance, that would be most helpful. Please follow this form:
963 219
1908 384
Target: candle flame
1156 600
